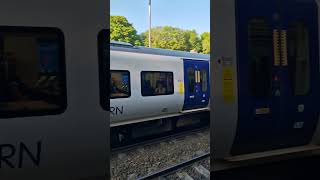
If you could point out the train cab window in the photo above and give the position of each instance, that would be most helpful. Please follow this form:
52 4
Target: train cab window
191 79
32 72
204 80
156 83
119 84
298 58
260 57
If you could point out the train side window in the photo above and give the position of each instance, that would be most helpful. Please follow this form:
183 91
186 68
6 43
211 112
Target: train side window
298 58
119 84
32 72
204 80
260 51
156 83
191 79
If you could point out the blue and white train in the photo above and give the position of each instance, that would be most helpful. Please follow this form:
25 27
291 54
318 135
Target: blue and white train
265 80
51 123
156 85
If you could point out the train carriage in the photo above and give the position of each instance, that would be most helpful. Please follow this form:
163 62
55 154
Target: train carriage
265 80
149 84
51 123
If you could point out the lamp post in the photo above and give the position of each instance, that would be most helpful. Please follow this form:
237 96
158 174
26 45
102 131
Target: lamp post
149 23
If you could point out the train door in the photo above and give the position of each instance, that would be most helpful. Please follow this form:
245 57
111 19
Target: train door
197 91
277 71
300 68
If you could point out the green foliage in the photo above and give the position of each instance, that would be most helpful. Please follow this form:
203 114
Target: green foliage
165 37
168 37
123 31
194 40
205 41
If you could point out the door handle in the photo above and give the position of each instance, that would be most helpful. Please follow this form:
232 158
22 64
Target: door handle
276 47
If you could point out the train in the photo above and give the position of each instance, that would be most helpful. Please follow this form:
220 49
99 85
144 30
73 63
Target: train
52 125
265 81
157 89
260 87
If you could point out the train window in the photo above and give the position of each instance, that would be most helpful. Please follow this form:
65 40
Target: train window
104 68
260 51
191 79
204 80
32 72
298 58
120 84
156 83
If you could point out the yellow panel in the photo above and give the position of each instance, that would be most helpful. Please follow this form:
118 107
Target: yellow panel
276 47
181 88
284 50
196 76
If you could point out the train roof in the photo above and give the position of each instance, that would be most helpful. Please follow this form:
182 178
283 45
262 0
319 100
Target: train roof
127 47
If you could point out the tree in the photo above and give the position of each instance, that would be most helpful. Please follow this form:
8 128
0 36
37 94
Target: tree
194 42
205 41
123 31
168 37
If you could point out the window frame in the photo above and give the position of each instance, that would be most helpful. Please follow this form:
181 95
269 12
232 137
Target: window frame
252 83
129 83
61 65
292 77
141 73
195 79
201 79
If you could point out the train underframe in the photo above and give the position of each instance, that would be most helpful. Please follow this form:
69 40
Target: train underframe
131 133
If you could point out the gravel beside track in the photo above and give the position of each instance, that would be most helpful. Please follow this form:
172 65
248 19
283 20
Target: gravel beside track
140 161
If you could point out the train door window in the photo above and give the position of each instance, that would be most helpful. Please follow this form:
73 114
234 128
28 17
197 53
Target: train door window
191 79
32 72
260 51
156 83
119 84
104 68
298 58
204 80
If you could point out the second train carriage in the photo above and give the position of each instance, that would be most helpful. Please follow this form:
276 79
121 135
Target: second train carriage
265 79
150 84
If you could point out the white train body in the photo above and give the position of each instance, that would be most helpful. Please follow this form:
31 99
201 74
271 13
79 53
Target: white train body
36 142
139 108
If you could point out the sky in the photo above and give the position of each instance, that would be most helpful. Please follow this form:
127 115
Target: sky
184 14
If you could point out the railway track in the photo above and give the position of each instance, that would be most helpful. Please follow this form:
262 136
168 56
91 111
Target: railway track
203 172
185 155
157 140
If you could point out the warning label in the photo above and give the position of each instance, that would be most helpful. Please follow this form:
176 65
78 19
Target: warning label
227 80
